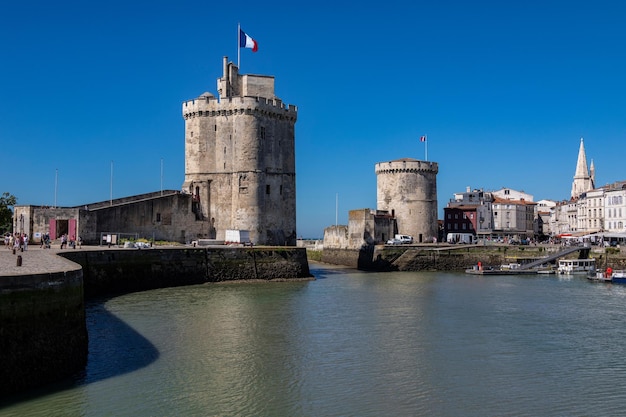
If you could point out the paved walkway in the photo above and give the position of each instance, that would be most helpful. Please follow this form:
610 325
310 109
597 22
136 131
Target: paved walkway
34 261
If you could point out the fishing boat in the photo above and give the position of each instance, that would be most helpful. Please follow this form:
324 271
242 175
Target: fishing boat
577 266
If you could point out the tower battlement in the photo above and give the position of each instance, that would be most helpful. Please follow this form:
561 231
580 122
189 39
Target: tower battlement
406 165
210 106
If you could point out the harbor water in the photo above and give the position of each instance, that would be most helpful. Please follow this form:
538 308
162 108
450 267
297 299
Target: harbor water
352 343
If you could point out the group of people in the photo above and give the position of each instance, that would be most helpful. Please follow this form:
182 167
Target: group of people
65 241
17 241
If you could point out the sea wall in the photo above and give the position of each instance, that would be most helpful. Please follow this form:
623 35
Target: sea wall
416 258
123 271
43 334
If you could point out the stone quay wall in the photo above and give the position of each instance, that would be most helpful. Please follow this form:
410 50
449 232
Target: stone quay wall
416 258
129 270
43 333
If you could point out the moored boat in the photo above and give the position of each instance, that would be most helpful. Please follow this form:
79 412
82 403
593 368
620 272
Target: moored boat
577 266
599 277
609 275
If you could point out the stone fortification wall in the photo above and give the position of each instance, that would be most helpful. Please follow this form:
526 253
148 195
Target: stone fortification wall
169 218
43 335
407 188
124 271
336 237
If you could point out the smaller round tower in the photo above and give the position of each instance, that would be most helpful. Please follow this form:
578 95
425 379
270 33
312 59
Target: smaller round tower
407 189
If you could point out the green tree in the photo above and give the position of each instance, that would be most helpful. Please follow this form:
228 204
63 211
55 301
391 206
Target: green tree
7 201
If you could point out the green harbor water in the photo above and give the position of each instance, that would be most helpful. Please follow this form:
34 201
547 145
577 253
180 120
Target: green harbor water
352 343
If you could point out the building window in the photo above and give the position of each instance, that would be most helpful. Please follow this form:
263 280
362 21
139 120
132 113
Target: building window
158 217
267 189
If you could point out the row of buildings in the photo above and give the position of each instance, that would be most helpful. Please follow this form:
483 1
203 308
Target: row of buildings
240 174
510 214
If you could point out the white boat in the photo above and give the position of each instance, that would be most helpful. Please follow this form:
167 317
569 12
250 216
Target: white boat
577 266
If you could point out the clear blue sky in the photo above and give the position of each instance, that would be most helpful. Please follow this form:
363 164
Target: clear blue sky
503 91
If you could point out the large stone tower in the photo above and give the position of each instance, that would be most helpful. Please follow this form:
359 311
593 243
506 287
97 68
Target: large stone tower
240 159
584 178
407 188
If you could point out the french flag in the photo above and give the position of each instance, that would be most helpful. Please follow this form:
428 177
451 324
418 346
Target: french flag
246 41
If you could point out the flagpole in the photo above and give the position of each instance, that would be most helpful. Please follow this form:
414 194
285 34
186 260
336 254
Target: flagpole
238 46
111 186
426 147
336 209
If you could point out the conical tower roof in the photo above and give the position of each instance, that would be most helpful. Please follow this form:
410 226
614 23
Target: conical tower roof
582 179
581 164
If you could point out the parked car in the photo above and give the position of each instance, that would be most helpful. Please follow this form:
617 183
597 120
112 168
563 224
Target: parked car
394 241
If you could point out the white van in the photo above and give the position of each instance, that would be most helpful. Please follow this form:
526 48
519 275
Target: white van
405 238
464 238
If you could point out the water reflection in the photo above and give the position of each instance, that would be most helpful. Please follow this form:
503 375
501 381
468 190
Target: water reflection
354 343
115 348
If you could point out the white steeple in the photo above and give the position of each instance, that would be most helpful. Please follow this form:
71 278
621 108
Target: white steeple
583 181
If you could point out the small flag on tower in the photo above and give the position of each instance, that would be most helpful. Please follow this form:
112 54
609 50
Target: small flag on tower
422 138
246 41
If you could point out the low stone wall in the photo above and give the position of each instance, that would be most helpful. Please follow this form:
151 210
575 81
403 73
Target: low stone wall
129 270
43 334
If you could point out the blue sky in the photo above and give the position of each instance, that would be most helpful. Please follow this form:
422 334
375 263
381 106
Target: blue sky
504 92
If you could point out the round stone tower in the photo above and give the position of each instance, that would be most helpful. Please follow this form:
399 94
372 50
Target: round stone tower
240 159
407 189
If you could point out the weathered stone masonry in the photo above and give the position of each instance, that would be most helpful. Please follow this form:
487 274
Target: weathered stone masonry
240 159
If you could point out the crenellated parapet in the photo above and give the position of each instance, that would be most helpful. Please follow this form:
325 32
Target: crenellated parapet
406 166
210 106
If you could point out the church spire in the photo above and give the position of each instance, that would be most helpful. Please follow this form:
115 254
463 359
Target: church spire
592 174
582 180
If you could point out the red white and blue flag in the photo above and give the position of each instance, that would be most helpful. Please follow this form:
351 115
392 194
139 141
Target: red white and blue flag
422 138
246 41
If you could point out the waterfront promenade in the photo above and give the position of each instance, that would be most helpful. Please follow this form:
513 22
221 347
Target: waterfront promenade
34 261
